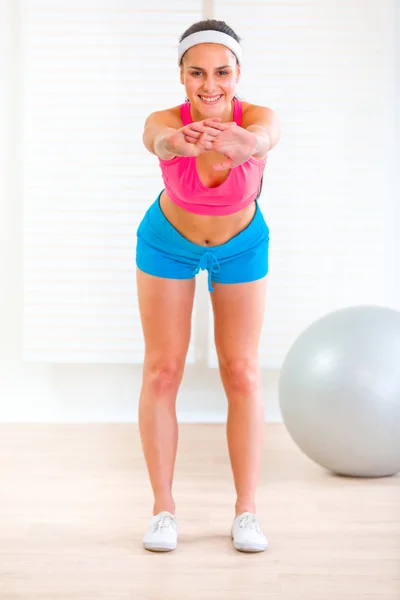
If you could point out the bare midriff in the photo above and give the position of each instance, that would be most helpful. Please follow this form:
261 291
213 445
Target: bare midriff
205 230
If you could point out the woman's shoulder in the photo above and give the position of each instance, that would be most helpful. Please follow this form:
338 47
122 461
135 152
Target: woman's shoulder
252 113
170 117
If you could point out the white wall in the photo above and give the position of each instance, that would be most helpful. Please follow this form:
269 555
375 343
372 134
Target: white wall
396 154
30 391
66 392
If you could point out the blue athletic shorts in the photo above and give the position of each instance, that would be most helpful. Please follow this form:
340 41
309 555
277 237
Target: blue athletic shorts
162 251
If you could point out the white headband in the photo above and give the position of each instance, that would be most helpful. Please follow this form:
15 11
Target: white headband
210 37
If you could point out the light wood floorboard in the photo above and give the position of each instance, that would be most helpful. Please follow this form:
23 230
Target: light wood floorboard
75 501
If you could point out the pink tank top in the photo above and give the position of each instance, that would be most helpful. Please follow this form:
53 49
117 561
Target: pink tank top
184 187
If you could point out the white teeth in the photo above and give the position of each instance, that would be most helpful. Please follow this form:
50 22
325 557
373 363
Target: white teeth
210 99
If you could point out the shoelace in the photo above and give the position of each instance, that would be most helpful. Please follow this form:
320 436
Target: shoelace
250 522
164 523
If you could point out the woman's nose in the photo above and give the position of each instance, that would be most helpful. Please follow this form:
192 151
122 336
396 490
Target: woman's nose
208 84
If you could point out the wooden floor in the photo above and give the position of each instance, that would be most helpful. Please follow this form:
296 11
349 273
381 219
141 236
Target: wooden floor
75 501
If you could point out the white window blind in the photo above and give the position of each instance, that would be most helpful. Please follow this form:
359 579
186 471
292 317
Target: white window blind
93 71
327 68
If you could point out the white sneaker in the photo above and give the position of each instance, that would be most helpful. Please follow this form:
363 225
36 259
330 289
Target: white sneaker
247 535
161 535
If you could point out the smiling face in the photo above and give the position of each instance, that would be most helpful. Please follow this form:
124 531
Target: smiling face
210 73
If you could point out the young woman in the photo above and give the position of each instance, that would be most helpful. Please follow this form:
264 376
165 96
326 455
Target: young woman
212 152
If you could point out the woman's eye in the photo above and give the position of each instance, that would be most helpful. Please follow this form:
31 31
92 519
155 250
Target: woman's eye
200 73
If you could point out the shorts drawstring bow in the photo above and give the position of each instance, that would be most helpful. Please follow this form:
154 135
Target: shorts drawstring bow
210 262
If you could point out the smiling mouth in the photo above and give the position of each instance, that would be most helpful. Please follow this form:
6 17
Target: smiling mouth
210 99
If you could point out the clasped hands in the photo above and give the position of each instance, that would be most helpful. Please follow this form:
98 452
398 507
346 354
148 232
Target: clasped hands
234 142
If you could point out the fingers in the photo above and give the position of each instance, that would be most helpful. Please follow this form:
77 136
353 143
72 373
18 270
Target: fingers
195 135
192 135
196 129
191 140
203 143
219 126
196 126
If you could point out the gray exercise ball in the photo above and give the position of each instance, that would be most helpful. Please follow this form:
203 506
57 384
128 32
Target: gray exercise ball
339 391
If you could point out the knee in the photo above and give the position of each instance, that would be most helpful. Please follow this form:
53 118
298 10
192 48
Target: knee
163 374
241 375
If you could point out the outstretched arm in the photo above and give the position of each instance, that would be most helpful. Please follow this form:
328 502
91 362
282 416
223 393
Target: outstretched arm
264 124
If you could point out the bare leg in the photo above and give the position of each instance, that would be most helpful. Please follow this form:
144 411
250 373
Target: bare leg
165 309
238 315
